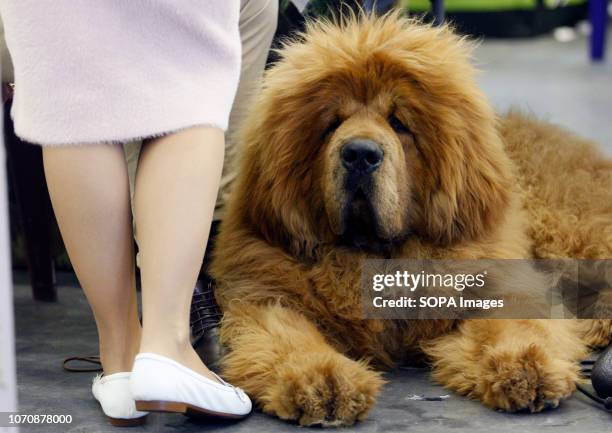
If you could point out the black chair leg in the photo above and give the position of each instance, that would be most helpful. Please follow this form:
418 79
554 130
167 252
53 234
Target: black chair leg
27 177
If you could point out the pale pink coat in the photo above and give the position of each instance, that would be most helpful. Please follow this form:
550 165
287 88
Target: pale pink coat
116 71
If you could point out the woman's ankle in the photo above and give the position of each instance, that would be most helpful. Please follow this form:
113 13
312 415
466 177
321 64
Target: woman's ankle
117 354
165 339
169 349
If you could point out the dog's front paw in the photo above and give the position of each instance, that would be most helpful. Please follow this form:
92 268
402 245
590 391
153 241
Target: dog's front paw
324 389
527 379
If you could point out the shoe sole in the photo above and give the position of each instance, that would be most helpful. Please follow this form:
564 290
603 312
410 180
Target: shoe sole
184 408
127 422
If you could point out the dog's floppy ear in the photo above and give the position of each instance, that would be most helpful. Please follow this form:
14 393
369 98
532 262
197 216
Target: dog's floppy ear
471 189
276 193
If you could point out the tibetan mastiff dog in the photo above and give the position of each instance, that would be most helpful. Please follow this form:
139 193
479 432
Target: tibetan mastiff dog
371 139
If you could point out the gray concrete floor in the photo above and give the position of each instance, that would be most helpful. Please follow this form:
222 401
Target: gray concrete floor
47 333
553 80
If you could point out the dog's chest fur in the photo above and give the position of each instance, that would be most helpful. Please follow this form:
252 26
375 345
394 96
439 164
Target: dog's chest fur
333 302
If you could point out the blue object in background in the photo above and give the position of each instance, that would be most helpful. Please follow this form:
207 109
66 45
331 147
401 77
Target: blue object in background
598 14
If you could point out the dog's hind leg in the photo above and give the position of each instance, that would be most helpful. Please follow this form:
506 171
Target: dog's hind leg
567 182
282 360
596 303
510 364
596 333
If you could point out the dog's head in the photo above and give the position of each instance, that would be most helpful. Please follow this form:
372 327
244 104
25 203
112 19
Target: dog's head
370 130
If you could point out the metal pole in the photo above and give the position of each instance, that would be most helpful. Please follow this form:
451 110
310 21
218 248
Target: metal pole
437 9
598 15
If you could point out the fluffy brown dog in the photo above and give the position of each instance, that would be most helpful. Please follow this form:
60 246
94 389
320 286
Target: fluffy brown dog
371 139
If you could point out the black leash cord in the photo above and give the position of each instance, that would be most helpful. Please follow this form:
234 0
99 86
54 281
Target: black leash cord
607 402
94 359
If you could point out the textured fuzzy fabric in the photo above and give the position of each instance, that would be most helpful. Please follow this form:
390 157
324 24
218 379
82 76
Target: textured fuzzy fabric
90 72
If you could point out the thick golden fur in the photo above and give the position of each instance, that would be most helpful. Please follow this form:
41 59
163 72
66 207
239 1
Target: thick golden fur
462 183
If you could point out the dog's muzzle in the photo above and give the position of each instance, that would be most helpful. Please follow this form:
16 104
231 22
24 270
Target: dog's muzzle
360 157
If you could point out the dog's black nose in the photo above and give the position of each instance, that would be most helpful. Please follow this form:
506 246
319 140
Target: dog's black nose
361 155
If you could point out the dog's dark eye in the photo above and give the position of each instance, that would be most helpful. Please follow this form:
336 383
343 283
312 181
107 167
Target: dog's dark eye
398 126
332 127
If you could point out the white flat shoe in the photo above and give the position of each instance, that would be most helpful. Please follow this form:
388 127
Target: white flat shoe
113 394
160 384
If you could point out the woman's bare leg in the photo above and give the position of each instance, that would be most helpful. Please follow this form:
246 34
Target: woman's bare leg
176 187
89 190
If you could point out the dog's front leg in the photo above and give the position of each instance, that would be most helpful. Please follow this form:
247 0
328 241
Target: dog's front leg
510 364
282 360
